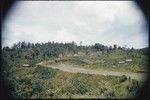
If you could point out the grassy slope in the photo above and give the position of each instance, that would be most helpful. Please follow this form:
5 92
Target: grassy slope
40 82
109 62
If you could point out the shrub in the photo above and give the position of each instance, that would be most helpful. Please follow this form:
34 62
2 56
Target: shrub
45 73
122 78
134 86
36 86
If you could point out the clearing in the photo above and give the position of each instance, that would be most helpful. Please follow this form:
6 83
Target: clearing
71 69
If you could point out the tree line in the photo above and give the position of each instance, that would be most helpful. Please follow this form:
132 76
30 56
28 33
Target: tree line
42 51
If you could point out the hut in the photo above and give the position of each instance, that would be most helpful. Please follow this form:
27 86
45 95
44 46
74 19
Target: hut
25 65
121 62
128 60
75 55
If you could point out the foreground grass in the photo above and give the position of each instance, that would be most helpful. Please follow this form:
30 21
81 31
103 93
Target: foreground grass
41 82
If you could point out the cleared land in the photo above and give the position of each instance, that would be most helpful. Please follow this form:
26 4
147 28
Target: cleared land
69 68
71 71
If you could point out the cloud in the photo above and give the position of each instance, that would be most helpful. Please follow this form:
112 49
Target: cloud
113 22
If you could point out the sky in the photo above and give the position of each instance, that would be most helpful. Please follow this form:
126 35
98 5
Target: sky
105 22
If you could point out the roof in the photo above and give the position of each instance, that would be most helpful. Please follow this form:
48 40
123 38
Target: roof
25 65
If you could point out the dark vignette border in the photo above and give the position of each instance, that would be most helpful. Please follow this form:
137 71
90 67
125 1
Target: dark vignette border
6 5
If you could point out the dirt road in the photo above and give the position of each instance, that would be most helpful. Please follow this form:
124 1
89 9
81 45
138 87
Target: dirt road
69 68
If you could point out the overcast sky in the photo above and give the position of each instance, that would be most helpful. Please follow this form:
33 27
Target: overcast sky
105 22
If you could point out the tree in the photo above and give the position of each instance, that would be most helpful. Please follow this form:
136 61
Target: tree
80 43
119 48
15 46
114 47
32 45
23 44
6 48
132 49
29 45
110 48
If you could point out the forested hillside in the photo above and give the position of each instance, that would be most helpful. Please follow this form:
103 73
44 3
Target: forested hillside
25 79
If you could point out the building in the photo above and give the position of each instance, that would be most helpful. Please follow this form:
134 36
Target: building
128 60
25 65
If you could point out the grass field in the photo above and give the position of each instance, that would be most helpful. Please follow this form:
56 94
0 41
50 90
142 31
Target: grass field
41 82
107 62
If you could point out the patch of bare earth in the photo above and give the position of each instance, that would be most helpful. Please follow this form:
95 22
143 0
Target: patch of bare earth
71 69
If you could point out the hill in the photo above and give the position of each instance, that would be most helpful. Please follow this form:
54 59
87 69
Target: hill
27 80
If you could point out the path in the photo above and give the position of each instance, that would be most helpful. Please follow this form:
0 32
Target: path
69 68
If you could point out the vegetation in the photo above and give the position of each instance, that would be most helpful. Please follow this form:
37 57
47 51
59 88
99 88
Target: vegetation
34 81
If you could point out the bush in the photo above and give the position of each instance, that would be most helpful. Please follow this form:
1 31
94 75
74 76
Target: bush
134 86
45 73
122 78
36 86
